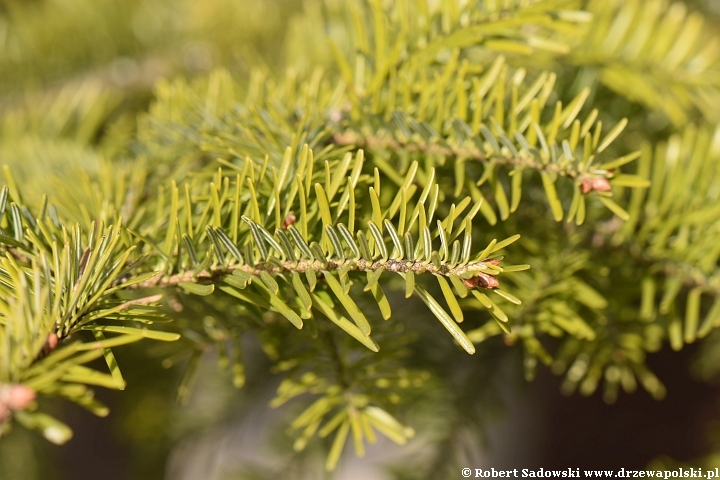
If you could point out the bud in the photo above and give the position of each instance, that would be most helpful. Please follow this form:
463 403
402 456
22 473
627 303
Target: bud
482 280
289 220
597 184
15 397
51 342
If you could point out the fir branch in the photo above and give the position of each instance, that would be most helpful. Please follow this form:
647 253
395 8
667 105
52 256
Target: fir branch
464 152
425 101
360 265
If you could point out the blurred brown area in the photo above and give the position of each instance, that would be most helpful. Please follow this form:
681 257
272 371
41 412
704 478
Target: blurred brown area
587 433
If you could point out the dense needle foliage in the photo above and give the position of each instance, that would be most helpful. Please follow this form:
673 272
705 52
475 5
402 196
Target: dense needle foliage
360 192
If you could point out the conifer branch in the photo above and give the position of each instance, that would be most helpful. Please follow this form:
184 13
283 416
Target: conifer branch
374 142
660 55
306 196
360 265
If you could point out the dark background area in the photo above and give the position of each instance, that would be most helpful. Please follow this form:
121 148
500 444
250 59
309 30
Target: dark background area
587 433
575 431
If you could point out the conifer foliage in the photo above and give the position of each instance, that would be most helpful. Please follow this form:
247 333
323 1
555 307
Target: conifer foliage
545 171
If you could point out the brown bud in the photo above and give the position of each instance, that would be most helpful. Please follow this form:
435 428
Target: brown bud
482 280
487 281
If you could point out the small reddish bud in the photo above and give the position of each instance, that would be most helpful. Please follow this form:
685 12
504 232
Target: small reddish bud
482 280
586 186
487 281
16 396
601 185
51 342
597 184
289 220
